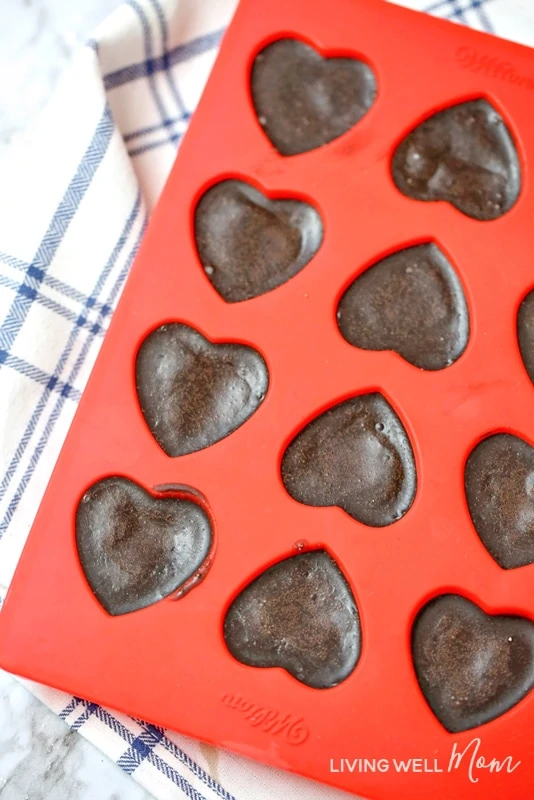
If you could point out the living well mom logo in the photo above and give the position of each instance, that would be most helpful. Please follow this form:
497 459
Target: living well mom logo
469 760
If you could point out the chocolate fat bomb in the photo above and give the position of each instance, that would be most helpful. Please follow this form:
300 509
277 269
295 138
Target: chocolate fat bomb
499 486
303 100
193 392
410 302
525 333
136 549
300 615
249 244
471 667
357 456
464 155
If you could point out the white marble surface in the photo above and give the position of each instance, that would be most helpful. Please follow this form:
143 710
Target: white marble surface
37 40
40 757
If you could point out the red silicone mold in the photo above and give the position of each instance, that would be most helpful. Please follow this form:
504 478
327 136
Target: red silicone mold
169 663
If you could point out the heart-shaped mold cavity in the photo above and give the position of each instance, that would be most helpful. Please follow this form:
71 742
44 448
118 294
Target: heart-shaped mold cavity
193 392
471 666
300 615
136 549
464 155
249 244
525 333
499 486
410 302
303 100
357 455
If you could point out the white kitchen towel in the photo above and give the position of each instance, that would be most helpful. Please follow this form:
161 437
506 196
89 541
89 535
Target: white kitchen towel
74 202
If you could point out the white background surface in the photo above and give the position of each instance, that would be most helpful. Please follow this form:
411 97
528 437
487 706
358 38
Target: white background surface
40 757
37 40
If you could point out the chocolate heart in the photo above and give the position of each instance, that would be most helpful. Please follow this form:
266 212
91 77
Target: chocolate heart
499 486
411 302
299 615
249 244
303 100
357 456
192 392
471 667
464 155
136 549
525 333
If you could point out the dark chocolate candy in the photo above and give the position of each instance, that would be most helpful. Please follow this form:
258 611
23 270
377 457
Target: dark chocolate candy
472 667
300 615
357 456
525 333
499 486
410 302
193 392
249 244
303 100
464 155
136 549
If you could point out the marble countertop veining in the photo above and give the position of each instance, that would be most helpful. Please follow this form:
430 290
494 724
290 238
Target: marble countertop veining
37 41
40 757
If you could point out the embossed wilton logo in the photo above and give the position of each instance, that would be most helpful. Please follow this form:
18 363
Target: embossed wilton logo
471 59
268 720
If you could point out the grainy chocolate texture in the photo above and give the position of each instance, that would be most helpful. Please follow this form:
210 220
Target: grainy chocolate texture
499 486
303 100
525 333
464 155
136 549
472 667
249 244
410 302
193 392
357 456
299 615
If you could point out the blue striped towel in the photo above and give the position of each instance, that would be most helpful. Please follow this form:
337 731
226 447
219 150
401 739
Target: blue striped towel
73 208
